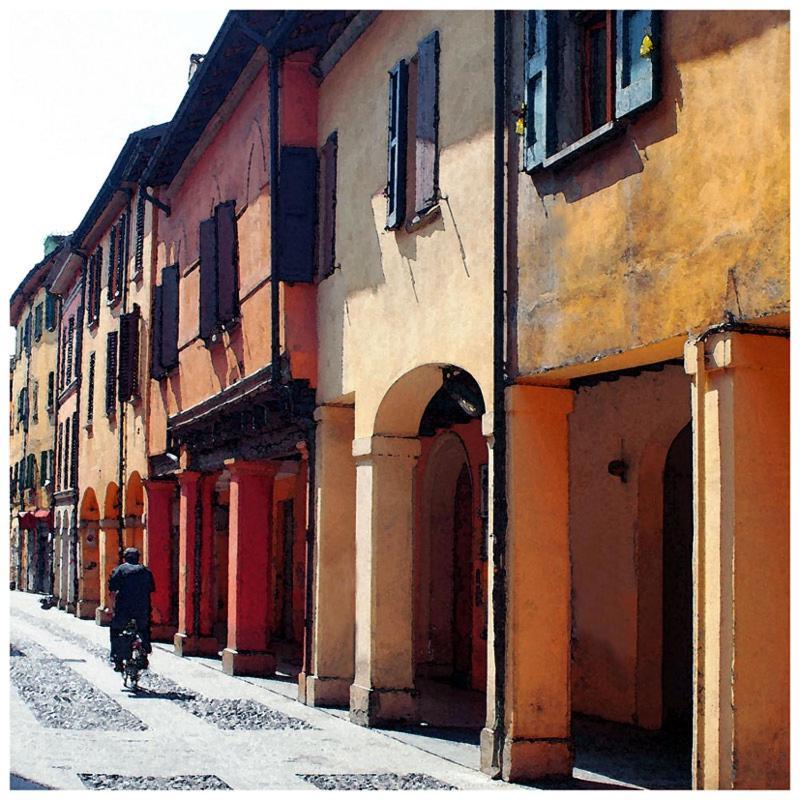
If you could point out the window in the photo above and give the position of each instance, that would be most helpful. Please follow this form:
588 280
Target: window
396 181
65 484
95 269
30 471
111 372
327 194
51 391
129 355
90 391
138 263
38 320
26 335
44 461
111 271
50 311
73 455
70 349
35 401
60 454
298 214
165 323
584 72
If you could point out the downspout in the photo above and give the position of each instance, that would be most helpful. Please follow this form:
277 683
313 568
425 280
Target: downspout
499 508
56 406
311 528
274 206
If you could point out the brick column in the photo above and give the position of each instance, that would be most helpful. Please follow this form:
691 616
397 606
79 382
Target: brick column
250 593
383 689
195 529
537 703
740 423
334 570
158 555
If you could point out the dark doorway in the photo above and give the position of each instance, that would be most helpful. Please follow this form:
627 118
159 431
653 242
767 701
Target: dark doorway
677 650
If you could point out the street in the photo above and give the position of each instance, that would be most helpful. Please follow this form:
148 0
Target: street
74 727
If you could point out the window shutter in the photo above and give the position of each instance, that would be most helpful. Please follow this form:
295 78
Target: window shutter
122 261
427 145
138 264
169 317
31 471
298 184
327 256
70 350
51 390
90 390
111 371
208 279
112 263
98 271
43 476
129 355
398 132
637 75
65 484
37 322
60 454
73 453
26 336
156 370
227 262
50 311
540 86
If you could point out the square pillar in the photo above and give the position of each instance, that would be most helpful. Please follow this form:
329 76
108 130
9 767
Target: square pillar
334 570
536 737
383 688
110 533
250 593
158 556
88 570
740 420
196 529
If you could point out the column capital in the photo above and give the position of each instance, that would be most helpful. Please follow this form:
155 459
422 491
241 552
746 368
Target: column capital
239 468
371 447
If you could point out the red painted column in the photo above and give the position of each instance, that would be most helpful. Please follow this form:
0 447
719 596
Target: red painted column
158 555
195 523
250 593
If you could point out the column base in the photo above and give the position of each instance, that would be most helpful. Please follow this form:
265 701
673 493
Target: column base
70 607
527 759
373 707
186 645
315 691
86 609
163 633
255 664
102 616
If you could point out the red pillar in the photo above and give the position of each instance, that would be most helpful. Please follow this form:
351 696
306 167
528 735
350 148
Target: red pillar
158 555
196 529
249 586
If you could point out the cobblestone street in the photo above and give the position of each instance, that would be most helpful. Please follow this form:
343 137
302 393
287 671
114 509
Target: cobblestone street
74 727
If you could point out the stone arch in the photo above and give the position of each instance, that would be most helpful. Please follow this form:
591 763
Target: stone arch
111 503
134 496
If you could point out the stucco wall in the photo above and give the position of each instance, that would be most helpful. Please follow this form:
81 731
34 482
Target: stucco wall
615 544
400 300
681 218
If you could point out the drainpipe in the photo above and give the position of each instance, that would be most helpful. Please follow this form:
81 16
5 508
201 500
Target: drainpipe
56 406
499 508
311 527
274 202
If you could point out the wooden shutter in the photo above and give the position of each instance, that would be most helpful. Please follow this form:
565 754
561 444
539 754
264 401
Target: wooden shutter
297 235
60 458
38 321
129 355
90 290
70 348
208 279
398 133
112 265
51 390
227 263
169 317
138 264
637 75
122 260
73 453
111 371
43 467
98 271
50 311
26 336
90 390
65 484
540 86
327 236
427 135
156 370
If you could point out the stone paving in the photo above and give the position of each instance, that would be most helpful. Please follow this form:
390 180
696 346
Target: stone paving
375 781
121 782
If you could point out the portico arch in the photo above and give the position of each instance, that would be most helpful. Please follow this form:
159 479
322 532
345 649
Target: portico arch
88 556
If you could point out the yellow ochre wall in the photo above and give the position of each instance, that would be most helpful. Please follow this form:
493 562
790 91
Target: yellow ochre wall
681 218
401 300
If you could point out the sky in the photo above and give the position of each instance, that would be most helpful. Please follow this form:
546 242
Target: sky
77 78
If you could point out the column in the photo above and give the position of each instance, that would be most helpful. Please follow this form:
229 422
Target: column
196 529
740 410
334 568
158 555
383 688
88 569
109 558
250 593
535 728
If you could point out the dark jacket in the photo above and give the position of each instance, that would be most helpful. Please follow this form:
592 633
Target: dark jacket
133 584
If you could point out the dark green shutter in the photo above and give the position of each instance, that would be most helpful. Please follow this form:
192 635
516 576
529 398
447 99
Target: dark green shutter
208 279
111 372
129 355
637 76
427 124
50 311
227 263
156 369
297 235
73 453
112 264
38 321
169 317
122 256
540 86
90 390
398 134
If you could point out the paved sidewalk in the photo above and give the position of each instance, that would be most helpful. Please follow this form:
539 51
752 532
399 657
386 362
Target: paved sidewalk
195 727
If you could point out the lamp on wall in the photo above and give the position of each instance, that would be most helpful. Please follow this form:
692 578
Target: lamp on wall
464 390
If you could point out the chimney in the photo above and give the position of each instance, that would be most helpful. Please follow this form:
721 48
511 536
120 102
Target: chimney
52 242
195 60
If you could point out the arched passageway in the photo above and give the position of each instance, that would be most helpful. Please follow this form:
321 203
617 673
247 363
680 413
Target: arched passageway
88 556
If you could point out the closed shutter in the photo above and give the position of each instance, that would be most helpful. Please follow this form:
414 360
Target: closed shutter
327 257
90 390
98 271
23 478
65 484
50 311
43 467
298 184
638 65
227 263
208 279
427 135
38 320
122 260
70 348
73 453
169 317
60 460
112 265
111 371
138 262
26 336
51 390
398 132
156 369
31 471
129 355
540 86
90 314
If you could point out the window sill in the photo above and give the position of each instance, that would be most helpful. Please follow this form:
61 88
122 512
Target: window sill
585 143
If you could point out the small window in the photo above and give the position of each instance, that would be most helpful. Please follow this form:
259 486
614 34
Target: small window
51 391
90 391
38 321
50 311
